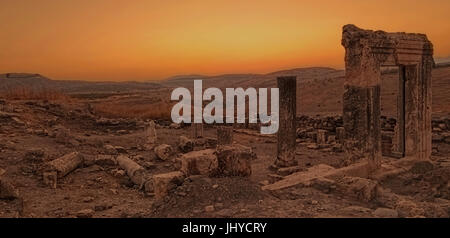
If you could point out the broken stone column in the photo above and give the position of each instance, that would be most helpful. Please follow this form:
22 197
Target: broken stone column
202 162
340 135
197 130
65 164
224 135
50 178
150 133
185 144
163 183
321 136
163 152
287 127
135 172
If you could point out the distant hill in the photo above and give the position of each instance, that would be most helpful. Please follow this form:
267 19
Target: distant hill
319 89
250 80
38 82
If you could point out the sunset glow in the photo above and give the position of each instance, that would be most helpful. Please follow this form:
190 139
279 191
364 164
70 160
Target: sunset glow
152 40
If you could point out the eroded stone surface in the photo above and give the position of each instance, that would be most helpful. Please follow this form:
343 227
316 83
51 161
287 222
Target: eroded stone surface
366 52
203 162
234 160
163 183
287 126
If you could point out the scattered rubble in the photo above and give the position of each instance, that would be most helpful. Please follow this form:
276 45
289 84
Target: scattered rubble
163 183
163 152
185 144
202 162
7 190
65 164
234 160
135 172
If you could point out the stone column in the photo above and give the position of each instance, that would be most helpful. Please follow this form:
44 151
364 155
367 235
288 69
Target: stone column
399 130
287 128
224 135
361 101
197 130
150 132
340 135
321 136
418 109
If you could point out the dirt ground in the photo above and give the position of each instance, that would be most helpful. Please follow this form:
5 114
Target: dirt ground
33 133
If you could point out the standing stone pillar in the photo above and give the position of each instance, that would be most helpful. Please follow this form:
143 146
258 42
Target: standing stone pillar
361 99
321 136
287 126
150 132
340 135
197 130
418 107
224 135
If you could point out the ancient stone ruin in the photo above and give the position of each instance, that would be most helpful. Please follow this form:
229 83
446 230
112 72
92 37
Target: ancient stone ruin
196 130
365 52
287 128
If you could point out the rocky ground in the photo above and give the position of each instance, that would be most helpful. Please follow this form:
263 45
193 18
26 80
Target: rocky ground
35 134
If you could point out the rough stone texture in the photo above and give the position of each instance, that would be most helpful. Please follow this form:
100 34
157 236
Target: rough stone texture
288 170
185 144
109 149
207 142
366 52
135 172
287 125
202 162
331 139
321 136
408 208
163 183
150 133
360 188
62 135
105 160
422 167
85 213
163 151
7 190
65 164
224 135
385 213
340 135
303 177
50 178
234 160
197 130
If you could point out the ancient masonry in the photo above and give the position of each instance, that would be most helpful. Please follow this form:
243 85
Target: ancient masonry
365 52
287 126
151 133
196 130
224 135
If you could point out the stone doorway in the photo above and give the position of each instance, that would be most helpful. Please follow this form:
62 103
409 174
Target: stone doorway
366 52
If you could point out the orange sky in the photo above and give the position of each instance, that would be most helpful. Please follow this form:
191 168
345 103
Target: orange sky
154 39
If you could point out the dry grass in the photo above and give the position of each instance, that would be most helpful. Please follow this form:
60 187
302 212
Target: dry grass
159 110
24 93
